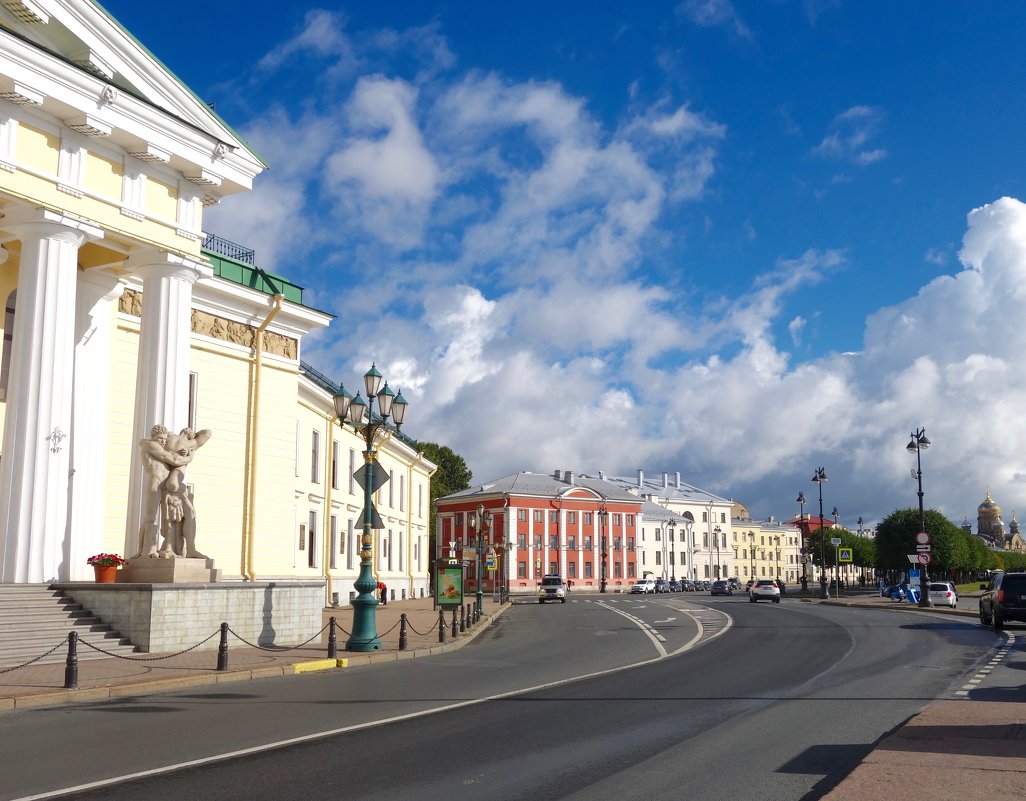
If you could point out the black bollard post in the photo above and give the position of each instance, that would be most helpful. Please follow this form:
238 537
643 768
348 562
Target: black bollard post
332 640
463 618
441 625
222 649
455 624
402 632
71 665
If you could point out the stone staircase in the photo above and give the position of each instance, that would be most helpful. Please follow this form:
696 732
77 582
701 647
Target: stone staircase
35 618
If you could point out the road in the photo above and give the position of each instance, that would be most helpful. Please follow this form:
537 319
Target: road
682 696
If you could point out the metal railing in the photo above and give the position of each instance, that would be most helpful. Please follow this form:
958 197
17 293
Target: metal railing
233 250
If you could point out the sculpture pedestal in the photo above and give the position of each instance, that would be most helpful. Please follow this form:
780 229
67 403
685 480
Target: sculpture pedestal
169 571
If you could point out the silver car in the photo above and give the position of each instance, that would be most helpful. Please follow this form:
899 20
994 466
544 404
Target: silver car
943 593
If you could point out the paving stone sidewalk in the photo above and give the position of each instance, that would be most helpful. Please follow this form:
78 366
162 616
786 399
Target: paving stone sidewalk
43 684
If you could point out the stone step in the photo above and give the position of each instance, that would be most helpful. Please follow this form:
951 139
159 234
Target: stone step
20 656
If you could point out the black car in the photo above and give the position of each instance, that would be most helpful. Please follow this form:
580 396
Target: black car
1003 599
662 585
722 588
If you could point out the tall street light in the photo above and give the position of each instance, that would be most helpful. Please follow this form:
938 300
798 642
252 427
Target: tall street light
917 444
671 527
837 558
603 516
820 477
351 410
484 519
716 539
800 500
752 554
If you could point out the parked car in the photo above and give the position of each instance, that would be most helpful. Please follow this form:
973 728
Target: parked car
552 589
1003 599
686 585
643 585
662 585
674 585
735 583
943 593
764 589
722 588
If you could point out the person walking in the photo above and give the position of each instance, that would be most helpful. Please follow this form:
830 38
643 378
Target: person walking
384 592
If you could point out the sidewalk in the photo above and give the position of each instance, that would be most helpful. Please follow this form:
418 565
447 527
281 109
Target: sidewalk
951 751
43 685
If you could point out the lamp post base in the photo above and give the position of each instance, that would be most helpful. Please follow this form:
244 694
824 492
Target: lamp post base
823 592
365 625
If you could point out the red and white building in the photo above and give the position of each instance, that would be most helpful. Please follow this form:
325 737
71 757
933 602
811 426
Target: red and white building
571 524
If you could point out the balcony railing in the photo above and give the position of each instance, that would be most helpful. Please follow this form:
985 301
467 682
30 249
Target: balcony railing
233 250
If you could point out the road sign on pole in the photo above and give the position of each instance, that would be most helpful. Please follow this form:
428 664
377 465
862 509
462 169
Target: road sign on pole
924 558
844 554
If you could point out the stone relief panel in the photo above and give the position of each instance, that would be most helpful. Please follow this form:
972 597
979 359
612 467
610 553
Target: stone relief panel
219 328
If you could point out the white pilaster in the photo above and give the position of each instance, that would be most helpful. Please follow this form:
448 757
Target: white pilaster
89 432
34 469
162 369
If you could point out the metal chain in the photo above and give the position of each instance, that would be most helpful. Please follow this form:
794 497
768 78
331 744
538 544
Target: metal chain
148 658
33 661
421 633
278 648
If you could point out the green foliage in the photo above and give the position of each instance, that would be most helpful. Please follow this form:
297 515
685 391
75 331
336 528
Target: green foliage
863 549
452 475
952 548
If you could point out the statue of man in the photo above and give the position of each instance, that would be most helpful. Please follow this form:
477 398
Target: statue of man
167 506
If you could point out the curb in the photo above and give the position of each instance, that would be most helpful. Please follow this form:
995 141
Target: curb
86 694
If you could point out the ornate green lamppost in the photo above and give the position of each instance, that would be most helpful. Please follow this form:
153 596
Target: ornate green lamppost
349 409
917 444
820 478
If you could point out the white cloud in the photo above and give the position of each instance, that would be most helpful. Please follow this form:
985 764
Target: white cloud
714 13
849 137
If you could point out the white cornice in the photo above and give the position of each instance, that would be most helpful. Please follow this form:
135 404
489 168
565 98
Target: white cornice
231 301
69 92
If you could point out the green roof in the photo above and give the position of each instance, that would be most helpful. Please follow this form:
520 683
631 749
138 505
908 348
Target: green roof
250 275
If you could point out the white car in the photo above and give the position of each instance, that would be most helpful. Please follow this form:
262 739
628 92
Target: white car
644 585
764 589
943 593
552 589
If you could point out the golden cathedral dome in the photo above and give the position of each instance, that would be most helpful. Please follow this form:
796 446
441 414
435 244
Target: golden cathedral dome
988 508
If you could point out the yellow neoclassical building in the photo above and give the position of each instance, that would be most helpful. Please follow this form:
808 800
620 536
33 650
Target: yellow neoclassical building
765 548
122 313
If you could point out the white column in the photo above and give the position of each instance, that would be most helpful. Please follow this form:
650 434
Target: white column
89 433
162 369
34 468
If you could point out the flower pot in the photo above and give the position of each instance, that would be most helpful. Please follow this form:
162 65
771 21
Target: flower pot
105 574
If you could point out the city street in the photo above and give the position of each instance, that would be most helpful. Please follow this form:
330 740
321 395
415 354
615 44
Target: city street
675 692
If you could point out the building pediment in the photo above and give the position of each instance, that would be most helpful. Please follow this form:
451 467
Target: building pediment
71 59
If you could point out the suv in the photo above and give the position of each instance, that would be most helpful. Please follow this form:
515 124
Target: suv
662 585
552 589
764 588
1003 599
643 585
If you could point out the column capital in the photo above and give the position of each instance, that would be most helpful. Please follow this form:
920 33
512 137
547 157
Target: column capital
165 264
49 224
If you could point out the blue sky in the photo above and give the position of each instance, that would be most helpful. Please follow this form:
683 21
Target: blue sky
720 238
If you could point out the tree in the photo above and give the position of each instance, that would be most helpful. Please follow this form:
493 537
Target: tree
895 540
452 475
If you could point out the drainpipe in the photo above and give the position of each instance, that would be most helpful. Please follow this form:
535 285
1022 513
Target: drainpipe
327 552
258 364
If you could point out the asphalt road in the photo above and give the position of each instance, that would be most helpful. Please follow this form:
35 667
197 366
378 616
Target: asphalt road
730 699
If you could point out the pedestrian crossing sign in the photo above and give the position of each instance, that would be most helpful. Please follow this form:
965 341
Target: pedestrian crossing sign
844 555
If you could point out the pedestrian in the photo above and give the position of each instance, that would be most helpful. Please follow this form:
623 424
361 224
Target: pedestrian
384 592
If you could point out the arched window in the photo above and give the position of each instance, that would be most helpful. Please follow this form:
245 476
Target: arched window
5 364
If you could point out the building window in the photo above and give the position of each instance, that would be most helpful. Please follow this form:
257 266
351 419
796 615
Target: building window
5 365
402 493
315 456
659 535
630 570
630 543
616 519
587 570
705 517
618 544
538 516
391 488
553 517
587 542
553 568
521 540
571 570
537 542
521 569
334 464
571 517
554 542
617 570
587 518
522 515
659 558
630 520
302 537
723 517
333 535
311 554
